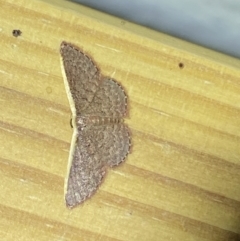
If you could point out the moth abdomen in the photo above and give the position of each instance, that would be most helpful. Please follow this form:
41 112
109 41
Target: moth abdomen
96 120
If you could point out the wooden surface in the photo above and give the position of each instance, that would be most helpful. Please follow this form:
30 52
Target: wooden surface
182 178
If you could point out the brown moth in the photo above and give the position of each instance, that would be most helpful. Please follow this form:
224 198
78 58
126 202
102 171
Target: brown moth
100 138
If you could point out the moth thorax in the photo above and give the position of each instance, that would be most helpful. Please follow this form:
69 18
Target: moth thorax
96 120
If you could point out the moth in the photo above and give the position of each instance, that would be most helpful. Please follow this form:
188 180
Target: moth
100 138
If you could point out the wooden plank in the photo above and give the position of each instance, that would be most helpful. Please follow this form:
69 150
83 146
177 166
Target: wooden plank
181 180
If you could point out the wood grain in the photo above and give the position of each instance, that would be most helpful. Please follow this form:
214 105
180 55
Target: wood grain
181 180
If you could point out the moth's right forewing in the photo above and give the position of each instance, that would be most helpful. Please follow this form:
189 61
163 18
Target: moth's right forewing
82 76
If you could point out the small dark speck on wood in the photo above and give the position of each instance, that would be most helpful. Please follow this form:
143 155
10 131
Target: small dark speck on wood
16 32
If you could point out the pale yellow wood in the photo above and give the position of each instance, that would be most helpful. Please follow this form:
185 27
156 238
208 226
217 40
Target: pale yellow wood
181 180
